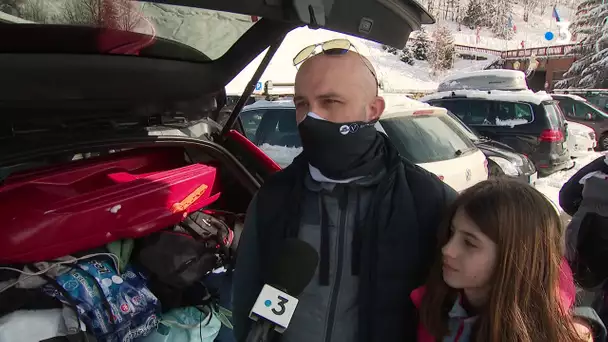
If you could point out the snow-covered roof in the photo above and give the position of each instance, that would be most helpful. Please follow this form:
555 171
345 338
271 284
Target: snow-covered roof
574 97
494 95
485 80
270 104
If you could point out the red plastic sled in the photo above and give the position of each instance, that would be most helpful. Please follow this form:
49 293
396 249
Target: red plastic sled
58 211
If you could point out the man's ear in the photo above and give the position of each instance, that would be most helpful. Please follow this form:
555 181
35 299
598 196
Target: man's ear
376 108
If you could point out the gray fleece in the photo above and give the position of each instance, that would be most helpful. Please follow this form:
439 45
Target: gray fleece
594 200
324 313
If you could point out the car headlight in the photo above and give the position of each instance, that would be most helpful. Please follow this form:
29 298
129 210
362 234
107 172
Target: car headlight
507 167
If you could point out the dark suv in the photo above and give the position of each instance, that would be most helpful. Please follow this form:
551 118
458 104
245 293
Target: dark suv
531 124
578 109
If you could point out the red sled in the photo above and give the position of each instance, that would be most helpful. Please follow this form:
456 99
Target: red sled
58 211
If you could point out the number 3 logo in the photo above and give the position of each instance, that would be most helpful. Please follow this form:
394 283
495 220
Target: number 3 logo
564 33
281 304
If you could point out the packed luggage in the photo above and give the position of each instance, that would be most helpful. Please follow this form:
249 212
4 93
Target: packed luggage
125 278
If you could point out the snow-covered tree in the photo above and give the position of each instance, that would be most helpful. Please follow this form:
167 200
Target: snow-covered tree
12 7
501 17
407 55
116 14
442 56
474 15
590 69
422 45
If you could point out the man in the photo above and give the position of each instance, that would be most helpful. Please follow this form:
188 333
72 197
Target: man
371 215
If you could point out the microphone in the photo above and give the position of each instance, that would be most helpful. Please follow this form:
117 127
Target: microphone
292 270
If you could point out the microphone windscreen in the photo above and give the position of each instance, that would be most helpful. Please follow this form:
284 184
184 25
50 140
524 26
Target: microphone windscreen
294 266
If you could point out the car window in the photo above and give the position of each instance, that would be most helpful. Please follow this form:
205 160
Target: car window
272 126
251 120
554 115
427 138
567 107
210 32
490 113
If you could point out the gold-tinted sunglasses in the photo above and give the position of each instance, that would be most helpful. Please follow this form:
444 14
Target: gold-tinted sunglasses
331 47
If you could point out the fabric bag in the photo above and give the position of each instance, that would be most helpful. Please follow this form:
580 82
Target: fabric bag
184 255
114 307
186 325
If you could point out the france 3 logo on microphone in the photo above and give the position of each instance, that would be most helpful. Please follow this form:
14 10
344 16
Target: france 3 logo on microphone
274 305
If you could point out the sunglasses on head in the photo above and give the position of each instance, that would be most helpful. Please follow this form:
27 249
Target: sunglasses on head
332 47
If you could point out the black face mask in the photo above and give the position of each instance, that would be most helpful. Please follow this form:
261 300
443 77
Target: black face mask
342 150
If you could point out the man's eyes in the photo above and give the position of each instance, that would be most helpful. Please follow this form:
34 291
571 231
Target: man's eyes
330 101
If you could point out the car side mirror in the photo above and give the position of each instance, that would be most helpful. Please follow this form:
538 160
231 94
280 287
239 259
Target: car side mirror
589 116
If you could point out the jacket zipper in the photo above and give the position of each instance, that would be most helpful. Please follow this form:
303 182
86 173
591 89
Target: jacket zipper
343 204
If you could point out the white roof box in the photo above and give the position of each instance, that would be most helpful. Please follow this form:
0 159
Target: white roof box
495 79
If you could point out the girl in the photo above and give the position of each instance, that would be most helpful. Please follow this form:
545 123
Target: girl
498 271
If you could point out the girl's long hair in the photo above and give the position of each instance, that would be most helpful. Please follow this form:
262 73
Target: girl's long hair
524 303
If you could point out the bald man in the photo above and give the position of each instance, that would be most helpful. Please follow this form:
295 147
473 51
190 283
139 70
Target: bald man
370 214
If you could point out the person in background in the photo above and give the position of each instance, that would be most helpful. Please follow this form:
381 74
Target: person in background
499 274
371 214
585 197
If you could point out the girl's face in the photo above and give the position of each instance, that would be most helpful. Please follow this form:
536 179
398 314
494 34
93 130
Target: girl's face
469 256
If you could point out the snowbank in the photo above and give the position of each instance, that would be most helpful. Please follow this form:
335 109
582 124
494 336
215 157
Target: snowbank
282 155
531 32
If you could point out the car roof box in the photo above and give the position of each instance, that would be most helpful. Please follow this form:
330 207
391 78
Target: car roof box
495 79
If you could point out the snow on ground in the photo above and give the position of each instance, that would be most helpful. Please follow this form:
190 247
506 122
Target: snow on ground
531 32
395 74
282 155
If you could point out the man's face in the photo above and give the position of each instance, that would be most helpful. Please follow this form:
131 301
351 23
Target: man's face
337 88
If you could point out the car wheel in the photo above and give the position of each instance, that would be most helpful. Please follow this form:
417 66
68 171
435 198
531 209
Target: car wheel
494 171
603 142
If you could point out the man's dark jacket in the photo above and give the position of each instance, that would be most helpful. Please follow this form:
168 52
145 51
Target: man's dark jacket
392 249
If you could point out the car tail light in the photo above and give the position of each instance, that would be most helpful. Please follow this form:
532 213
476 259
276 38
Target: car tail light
551 135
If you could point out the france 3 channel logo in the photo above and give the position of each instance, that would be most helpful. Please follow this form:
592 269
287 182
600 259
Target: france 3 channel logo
563 30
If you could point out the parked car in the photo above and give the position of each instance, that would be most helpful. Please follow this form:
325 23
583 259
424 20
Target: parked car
578 109
581 139
503 161
597 97
531 123
425 135
111 136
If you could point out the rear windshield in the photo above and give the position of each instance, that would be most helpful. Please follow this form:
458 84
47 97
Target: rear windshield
489 113
210 32
554 114
428 138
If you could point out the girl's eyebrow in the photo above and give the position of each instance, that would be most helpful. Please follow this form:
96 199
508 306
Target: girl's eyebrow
469 234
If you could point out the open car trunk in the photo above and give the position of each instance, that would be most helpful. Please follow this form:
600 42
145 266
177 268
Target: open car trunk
123 186
127 210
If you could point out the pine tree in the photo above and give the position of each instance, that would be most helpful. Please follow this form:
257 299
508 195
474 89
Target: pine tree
590 69
442 57
407 56
474 15
422 46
